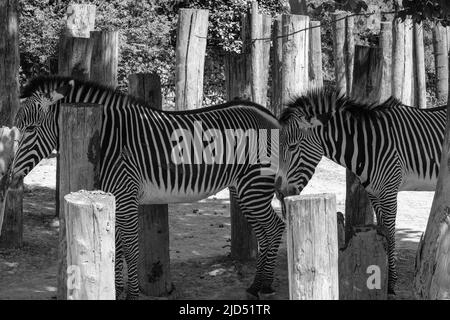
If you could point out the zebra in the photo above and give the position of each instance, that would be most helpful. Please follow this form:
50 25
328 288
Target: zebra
389 146
138 144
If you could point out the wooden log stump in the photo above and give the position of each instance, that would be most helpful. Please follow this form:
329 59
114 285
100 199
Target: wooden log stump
190 58
74 57
105 57
12 234
315 56
238 83
90 224
154 256
80 155
80 20
363 265
312 247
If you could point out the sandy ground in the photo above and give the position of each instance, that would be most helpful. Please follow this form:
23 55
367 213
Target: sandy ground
199 242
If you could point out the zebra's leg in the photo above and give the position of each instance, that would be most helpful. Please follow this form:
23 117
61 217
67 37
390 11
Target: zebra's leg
256 205
386 211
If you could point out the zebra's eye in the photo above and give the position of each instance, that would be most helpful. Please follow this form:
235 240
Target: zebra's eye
292 147
30 128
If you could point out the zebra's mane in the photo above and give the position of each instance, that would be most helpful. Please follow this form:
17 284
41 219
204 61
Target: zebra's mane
39 83
323 102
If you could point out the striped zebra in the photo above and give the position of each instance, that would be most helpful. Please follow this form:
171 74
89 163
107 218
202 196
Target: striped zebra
389 146
148 159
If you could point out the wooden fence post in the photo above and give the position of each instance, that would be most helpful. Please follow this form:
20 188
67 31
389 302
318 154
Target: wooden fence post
402 62
440 47
312 247
386 56
12 234
79 148
238 83
295 64
277 62
154 256
105 56
190 58
339 46
80 20
419 66
315 56
363 265
90 222
74 57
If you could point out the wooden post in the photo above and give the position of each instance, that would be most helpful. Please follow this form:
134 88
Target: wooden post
386 56
419 66
367 77
80 20
340 62
295 65
298 7
315 56
154 257
312 247
440 47
190 58
105 57
11 236
260 25
90 222
402 62
277 62
74 57
79 148
349 51
363 265
238 83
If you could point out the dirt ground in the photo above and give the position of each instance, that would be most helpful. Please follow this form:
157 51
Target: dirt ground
199 242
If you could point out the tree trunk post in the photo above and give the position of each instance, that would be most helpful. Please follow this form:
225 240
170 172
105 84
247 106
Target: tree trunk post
315 56
190 58
79 140
312 247
12 234
295 64
105 57
277 62
239 83
80 20
90 222
339 46
419 66
363 265
386 56
154 256
440 47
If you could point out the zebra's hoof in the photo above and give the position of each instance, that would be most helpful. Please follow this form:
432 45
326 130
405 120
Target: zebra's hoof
251 294
132 296
267 293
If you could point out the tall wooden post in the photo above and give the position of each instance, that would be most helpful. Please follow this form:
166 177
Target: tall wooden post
277 62
239 84
90 222
190 58
105 57
402 62
11 236
74 57
315 56
80 155
259 49
440 47
312 247
419 66
295 64
154 257
386 56
339 46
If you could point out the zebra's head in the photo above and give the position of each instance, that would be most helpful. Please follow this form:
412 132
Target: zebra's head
301 148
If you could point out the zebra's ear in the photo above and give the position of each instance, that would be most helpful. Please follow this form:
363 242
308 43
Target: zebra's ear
62 91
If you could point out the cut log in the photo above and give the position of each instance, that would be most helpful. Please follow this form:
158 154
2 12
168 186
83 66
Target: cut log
80 20
312 247
386 56
363 265
105 57
154 257
419 66
190 58
315 56
441 63
90 224
80 156
277 62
